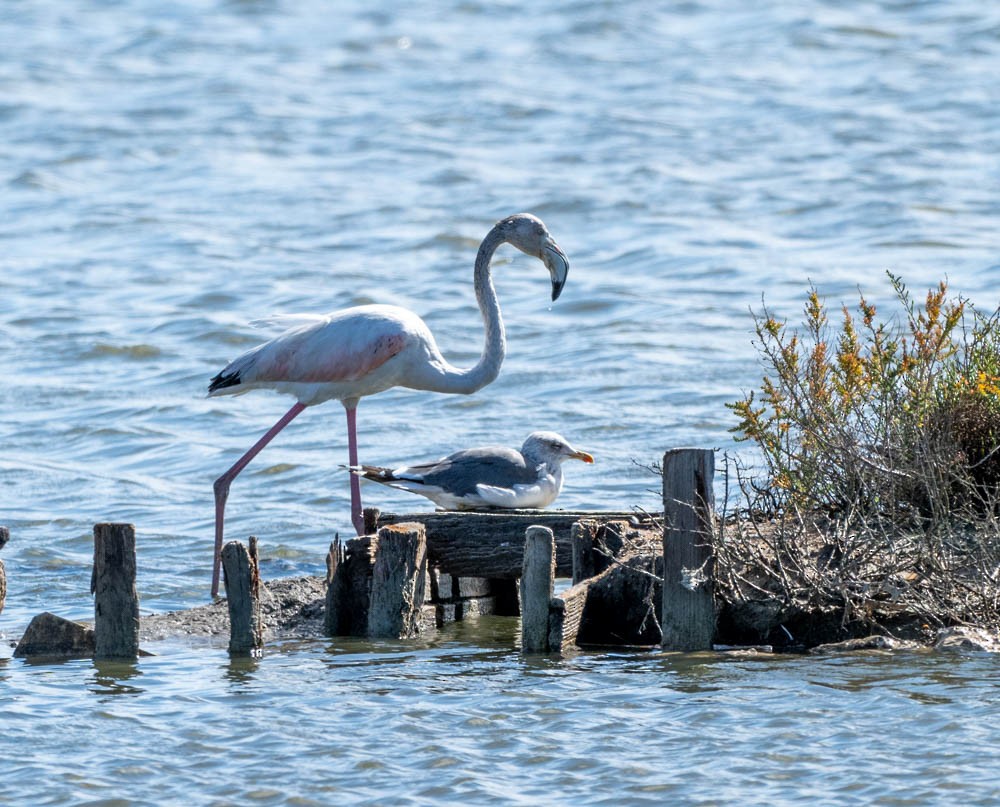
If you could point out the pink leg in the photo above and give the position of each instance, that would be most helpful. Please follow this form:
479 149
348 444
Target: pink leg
223 482
357 517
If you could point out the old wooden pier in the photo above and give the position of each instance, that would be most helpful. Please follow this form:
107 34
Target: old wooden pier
410 574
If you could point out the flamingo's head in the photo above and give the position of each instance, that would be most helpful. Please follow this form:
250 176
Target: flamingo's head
528 234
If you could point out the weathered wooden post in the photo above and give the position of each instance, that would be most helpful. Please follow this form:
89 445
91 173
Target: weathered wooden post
537 577
116 603
4 537
398 582
688 617
370 515
581 537
241 574
334 558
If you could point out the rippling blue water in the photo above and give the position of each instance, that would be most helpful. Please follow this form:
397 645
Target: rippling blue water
172 171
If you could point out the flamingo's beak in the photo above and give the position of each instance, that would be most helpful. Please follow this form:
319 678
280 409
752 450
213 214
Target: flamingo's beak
557 263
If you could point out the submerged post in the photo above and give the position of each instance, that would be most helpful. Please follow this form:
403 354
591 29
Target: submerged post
398 582
688 617
242 580
4 537
537 579
116 603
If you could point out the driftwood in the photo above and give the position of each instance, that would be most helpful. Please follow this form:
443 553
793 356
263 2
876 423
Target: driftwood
116 603
688 588
242 580
491 544
537 579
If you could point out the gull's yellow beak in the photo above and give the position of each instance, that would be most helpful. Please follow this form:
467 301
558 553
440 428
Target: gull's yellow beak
583 456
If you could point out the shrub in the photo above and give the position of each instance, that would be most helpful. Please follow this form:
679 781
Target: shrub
877 502
896 420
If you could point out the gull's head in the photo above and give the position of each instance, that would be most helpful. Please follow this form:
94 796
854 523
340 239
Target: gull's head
529 234
552 449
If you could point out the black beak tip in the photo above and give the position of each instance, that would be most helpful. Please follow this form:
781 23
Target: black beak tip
557 290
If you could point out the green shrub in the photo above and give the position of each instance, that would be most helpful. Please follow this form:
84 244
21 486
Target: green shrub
896 419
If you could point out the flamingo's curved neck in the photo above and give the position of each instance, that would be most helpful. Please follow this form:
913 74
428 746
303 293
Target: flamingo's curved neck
488 367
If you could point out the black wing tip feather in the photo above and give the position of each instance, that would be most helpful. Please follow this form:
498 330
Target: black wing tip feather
223 380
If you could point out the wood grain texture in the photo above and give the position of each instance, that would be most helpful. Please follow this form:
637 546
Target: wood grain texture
537 579
688 616
398 582
242 581
491 544
116 602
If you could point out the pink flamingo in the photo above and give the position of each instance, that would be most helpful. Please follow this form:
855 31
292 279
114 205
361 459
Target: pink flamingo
363 350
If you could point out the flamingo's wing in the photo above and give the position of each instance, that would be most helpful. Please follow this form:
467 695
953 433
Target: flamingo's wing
322 355
332 350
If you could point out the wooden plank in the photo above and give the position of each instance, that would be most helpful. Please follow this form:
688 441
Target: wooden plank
242 581
537 579
398 580
566 616
688 616
491 544
116 603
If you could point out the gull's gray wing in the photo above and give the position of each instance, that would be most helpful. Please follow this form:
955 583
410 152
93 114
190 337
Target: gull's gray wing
459 473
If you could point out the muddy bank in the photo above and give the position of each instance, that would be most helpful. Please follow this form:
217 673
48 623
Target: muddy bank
291 607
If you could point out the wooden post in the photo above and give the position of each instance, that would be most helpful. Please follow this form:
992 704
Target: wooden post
537 578
688 617
334 558
116 603
581 538
241 574
348 593
371 515
4 537
398 581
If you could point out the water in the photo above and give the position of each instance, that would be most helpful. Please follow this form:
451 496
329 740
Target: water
171 172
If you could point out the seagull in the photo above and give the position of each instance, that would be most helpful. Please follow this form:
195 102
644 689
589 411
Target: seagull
492 476
367 349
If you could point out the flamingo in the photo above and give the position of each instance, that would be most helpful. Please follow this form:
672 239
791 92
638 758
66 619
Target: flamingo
492 476
367 349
